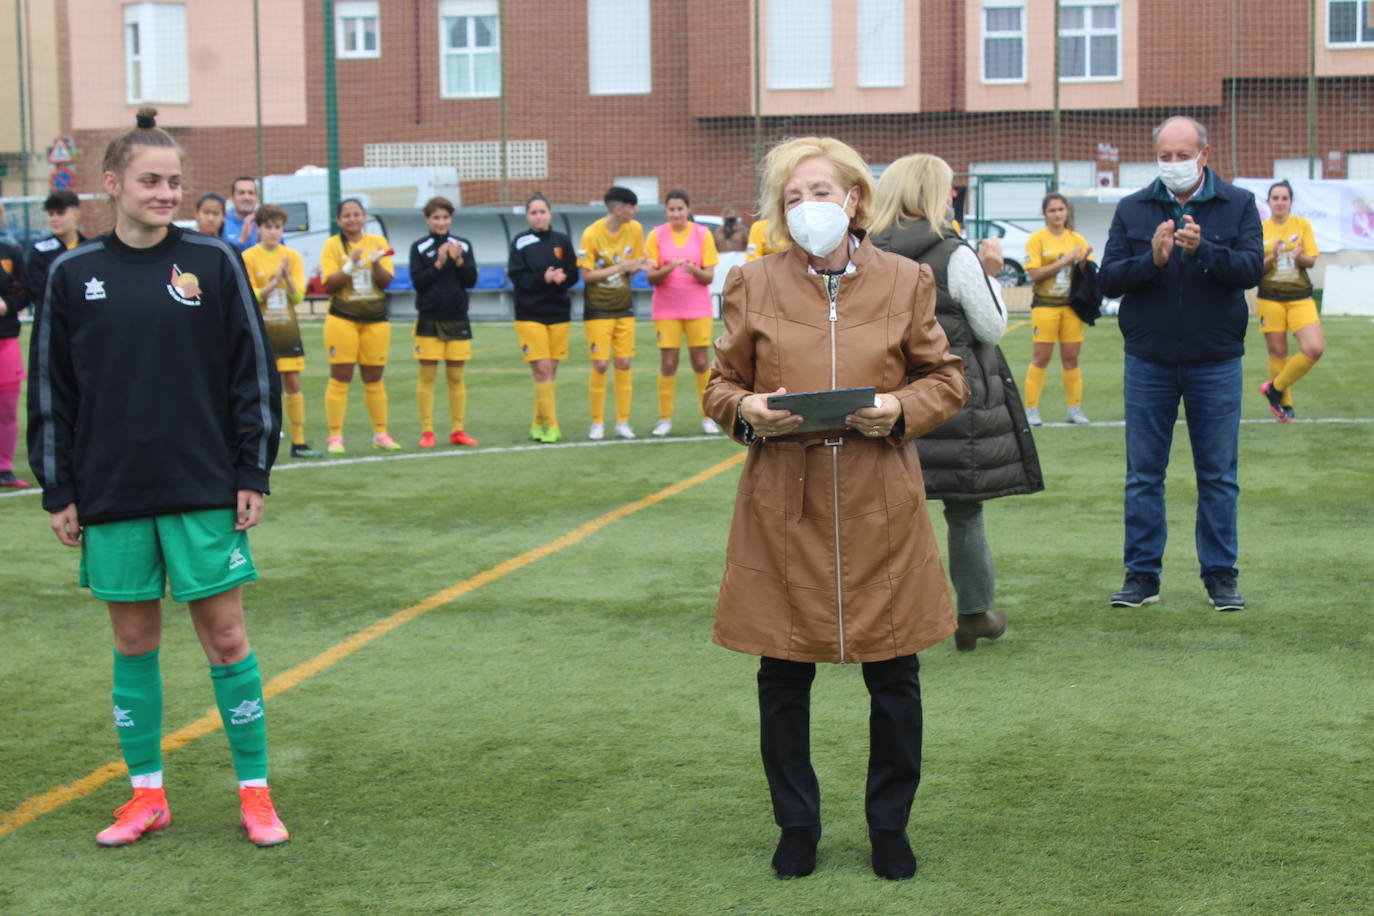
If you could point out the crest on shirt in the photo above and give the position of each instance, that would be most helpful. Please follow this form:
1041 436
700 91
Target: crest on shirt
558 252
95 289
184 288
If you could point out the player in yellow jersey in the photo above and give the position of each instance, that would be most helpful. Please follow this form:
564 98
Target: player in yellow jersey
1052 254
357 269
1285 300
761 242
278 277
612 251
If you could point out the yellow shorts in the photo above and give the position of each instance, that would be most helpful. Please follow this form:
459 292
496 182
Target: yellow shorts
433 348
1055 324
671 330
607 337
1280 317
542 341
349 342
290 363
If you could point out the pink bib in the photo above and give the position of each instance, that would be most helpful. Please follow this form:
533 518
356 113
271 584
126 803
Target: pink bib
680 295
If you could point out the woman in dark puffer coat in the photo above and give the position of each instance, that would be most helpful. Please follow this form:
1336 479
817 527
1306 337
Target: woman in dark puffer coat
986 450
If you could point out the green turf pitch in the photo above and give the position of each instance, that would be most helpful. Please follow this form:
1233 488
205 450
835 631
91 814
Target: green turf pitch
566 739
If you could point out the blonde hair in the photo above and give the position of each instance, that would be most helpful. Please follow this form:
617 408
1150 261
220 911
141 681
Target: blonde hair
783 159
914 187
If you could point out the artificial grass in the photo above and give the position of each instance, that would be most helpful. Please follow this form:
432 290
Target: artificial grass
567 740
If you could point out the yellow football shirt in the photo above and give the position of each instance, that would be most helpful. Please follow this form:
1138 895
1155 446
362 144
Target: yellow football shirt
1286 281
611 296
709 255
278 307
1044 247
759 244
359 299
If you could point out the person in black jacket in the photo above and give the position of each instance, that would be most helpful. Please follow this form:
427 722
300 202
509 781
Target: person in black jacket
153 424
986 450
443 269
64 212
542 268
14 297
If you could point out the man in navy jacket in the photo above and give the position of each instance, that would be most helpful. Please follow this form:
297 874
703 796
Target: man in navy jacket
1181 252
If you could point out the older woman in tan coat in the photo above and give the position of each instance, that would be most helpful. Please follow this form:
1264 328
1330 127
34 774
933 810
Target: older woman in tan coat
831 556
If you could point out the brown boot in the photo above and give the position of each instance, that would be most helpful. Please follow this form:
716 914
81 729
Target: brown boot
972 627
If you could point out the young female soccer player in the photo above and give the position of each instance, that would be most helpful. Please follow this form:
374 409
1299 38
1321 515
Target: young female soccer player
153 424
542 268
684 259
210 214
443 269
357 269
1285 300
1052 254
278 277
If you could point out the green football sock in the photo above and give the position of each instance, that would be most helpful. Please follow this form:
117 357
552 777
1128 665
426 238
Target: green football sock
138 711
238 694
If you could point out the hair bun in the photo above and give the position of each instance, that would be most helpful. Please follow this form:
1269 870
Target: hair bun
146 118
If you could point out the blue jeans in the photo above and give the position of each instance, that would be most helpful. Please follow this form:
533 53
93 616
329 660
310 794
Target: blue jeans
1211 394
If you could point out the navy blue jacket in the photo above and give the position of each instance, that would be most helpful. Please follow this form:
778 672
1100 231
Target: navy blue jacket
1191 310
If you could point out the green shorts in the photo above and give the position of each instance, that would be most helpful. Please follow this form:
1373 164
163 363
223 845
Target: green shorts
199 552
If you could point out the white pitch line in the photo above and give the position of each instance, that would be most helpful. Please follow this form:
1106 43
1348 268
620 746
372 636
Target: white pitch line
505 449
300 464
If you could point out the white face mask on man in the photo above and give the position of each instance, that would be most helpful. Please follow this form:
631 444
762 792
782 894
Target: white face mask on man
1179 176
819 226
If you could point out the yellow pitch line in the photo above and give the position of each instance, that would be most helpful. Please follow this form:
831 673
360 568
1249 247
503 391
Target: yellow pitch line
55 798
1019 324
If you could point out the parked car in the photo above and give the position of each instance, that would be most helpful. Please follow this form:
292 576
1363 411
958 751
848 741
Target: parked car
1013 239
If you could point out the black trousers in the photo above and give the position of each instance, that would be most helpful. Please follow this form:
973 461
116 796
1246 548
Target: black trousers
894 740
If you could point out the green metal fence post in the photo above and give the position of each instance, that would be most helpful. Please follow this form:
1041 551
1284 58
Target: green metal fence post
331 109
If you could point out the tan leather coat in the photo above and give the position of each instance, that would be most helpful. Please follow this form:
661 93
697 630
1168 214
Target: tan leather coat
831 554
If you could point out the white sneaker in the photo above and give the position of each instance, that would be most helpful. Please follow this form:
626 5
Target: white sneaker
1076 417
663 428
1033 416
624 431
709 427
598 431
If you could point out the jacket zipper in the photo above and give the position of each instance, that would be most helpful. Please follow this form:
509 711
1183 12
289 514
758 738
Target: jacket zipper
833 289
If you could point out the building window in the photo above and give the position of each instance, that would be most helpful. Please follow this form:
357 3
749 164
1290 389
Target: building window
799 44
619 61
882 43
1350 22
355 28
1004 41
155 68
1089 40
470 49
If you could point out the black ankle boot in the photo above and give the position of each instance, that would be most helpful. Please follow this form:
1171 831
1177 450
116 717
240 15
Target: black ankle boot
795 856
892 855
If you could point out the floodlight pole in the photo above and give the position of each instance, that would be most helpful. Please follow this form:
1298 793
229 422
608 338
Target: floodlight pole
1312 88
257 91
331 109
1056 128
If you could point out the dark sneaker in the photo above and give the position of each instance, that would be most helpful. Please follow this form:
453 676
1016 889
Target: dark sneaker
304 451
1221 591
1288 415
7 479
1275 398
1138 589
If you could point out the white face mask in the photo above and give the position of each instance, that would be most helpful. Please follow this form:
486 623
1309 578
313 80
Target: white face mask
819 225
1179 176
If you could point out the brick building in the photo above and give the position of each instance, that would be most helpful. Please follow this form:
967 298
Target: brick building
670 93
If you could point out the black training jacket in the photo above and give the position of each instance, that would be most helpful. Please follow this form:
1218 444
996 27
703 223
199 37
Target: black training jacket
152 387
441 293
13 289
531 254
40 256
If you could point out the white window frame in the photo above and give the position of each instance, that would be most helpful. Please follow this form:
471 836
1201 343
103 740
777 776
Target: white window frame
815 49
619 47
452 9
349 15
882 44
1359 165
1363 11
159 70
984 35
1088 32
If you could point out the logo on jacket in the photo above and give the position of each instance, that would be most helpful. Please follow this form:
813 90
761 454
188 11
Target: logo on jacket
95 289
558 252
184 288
